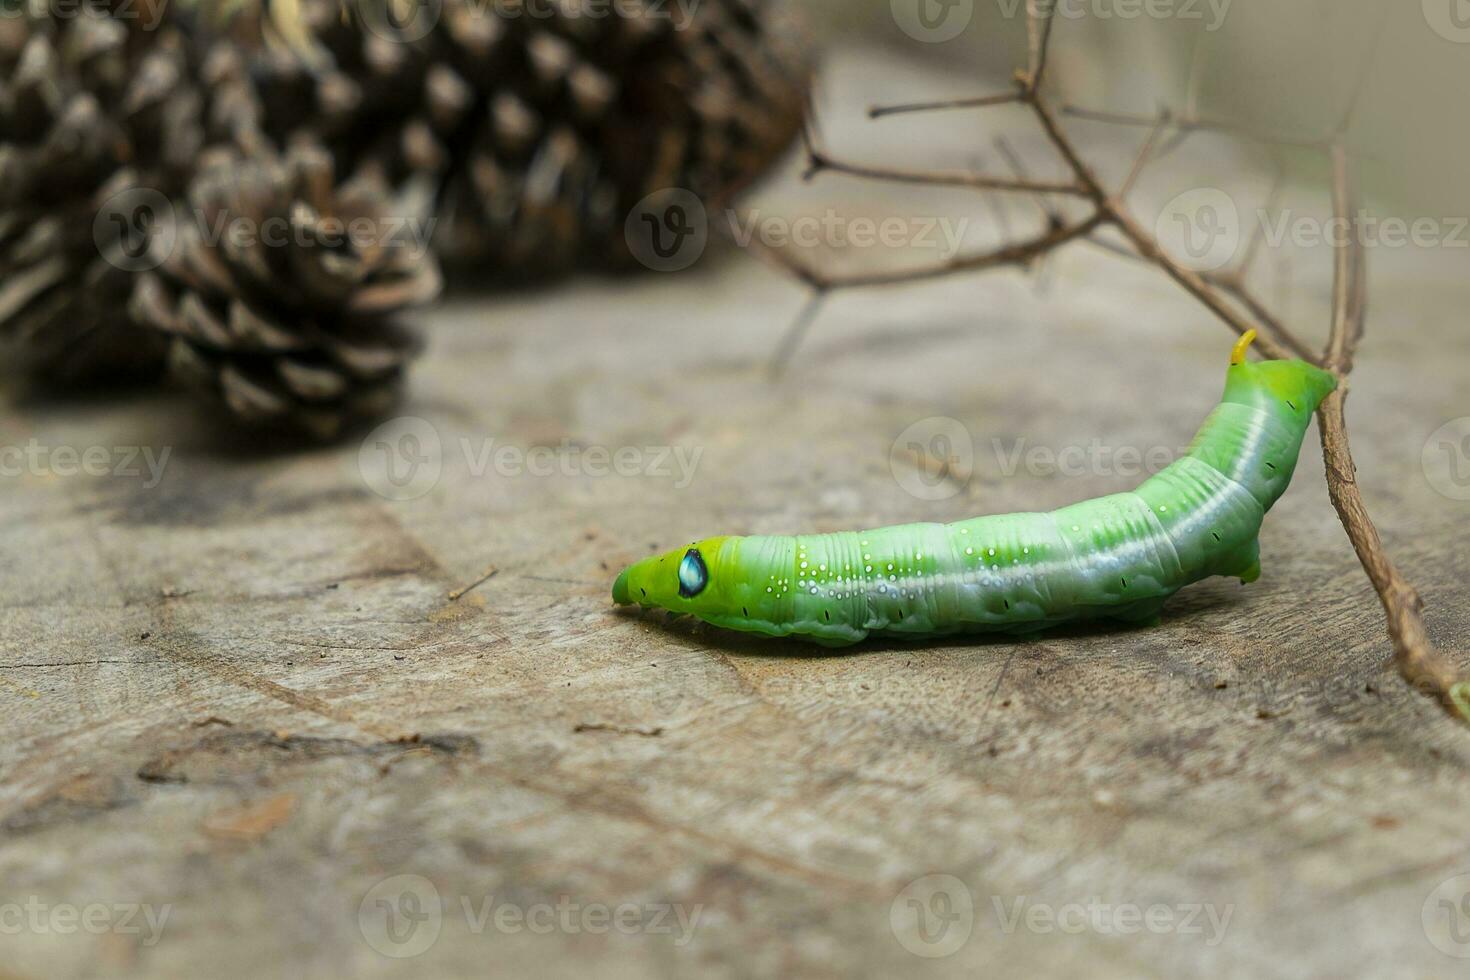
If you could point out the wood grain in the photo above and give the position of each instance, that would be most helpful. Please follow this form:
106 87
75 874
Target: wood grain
263 642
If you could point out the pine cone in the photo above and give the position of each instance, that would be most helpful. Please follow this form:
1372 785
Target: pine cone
542 132
279 289
98 125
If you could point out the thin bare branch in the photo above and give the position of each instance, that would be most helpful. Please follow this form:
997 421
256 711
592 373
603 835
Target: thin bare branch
1192 124
1258 234
1018 169
1420 665
1144 154
1039 19
969 102
1349 307
1010 254
794 334
820 161
1235 286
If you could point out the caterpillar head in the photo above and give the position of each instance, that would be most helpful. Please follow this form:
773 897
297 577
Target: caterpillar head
685 580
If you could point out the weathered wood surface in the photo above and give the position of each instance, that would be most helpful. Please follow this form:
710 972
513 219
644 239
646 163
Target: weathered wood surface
212 687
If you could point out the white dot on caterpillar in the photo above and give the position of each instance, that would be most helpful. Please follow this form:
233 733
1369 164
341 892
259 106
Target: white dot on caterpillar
1025 551
814 591
1163 507
992 551
821 568
803 564
969 551
867 568
1076 528
768 588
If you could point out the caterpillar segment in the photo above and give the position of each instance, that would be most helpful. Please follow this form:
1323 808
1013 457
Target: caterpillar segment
1118 557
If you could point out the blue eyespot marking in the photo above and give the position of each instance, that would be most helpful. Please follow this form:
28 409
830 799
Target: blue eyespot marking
693 575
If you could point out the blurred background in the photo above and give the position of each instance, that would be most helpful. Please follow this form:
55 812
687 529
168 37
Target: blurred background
1286 70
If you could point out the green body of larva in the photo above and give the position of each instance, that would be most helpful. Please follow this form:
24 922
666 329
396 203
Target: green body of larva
1116 557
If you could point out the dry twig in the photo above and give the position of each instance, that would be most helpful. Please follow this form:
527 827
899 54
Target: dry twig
1225 293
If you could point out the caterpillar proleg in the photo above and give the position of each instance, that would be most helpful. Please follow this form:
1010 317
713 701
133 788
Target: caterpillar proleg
1117 557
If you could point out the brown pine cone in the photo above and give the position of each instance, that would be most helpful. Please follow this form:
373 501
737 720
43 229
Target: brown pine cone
279 290
541 126
98 127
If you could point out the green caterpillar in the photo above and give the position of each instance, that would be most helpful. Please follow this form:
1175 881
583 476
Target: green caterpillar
1118 557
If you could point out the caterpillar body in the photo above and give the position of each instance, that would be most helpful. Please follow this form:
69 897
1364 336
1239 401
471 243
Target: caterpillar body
1116 557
